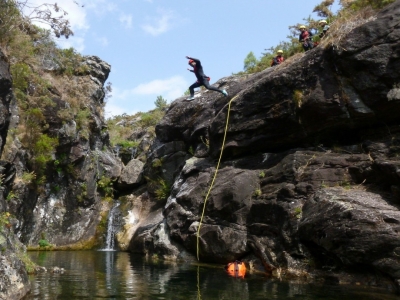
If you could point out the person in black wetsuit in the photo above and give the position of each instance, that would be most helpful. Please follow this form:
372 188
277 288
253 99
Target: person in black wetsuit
202 79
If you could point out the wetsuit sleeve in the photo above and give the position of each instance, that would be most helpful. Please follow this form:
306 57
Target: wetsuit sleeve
195 60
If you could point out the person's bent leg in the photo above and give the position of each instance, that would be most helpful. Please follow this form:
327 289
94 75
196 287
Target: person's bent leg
191 89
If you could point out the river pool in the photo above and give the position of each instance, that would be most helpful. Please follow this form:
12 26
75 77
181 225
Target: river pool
121 275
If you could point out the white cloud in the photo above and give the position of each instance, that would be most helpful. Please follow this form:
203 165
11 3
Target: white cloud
101 7
116 107
170 88
126 20
102 40
142 97
160 24
112 110
78 43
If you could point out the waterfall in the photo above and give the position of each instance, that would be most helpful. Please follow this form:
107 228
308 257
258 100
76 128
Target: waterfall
112 224
133 153
116 148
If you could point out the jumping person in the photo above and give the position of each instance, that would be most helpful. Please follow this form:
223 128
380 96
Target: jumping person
277 59
305 38
202 79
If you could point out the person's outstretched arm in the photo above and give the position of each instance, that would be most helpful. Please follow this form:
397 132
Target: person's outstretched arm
195 59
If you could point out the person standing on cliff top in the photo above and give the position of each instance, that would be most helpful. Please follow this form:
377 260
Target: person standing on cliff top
202 79
305 38
278 58
325 28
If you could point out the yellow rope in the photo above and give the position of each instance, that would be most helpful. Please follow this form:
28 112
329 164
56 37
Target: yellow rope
198 283
215 174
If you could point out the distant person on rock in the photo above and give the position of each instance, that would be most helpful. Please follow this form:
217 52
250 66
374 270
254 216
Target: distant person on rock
202 79
305 38
278 58
325 28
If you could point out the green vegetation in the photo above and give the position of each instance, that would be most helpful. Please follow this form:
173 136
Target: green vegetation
157 163
163 189
297 98
250 61
127 132
161 103
28 177
82 192
11 195
298 212
257 193
262 174
105 185
44 243
191 150
29 264
5 220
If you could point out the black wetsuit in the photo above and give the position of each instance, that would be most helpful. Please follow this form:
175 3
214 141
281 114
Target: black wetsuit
202 79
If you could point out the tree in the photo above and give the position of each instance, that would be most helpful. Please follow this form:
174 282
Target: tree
161 103
323 10
20 14
250 61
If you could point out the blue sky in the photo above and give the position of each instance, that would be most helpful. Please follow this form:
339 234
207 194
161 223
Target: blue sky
146 41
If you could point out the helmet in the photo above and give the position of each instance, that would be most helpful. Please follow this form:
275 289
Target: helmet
322 22
279 51
302 26
190 61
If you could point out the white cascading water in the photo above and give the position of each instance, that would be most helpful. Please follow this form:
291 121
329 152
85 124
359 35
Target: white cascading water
110 229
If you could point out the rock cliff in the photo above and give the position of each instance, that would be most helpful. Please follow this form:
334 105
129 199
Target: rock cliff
65 209
13 276
308 186
309 182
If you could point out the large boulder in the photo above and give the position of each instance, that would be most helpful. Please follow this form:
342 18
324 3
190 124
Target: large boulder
357 228
131 174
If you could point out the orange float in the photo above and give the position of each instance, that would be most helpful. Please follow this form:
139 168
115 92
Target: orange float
236 269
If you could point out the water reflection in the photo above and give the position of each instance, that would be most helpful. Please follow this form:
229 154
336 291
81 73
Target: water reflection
119 275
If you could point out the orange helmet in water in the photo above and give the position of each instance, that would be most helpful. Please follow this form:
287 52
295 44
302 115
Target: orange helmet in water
236 269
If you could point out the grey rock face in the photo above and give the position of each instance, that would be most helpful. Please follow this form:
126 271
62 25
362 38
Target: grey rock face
5 98
68 208
14 282
131 174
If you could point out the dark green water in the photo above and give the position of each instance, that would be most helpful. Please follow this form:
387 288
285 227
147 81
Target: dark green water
120 275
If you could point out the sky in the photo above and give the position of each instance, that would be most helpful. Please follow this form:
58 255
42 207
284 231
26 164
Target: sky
146 41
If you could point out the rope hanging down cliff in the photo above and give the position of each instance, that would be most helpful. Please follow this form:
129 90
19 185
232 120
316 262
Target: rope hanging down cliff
215 174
